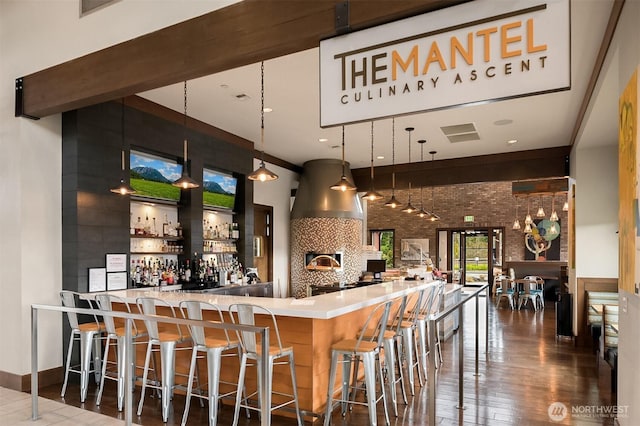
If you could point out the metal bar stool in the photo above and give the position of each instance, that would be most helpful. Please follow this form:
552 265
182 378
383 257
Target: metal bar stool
216 344
424 310
167 341
368 350
391 343
89 335
115 330
245 314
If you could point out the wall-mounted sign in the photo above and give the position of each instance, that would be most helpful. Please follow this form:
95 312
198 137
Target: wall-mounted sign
469 218
478 51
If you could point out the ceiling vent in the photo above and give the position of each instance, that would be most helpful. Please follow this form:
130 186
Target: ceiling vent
461 132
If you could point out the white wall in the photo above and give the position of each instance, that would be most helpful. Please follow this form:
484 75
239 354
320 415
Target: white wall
626 42
597 212
278 195
35 35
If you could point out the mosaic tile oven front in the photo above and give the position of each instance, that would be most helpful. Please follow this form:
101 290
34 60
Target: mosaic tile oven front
324 235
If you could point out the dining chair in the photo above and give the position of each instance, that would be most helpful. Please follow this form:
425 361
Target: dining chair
508 292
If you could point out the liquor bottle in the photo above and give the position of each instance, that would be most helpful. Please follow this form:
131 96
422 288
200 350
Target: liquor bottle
154 230
187 271
147 226
132 226
235 232
165 227
138 227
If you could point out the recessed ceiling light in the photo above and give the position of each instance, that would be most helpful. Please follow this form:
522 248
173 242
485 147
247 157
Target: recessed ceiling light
323 140
503 122
380 157
267 109
512 141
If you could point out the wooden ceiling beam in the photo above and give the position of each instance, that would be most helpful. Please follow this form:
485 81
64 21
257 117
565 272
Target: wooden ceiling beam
243 33
512 166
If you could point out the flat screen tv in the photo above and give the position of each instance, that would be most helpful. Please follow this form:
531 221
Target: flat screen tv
152 176
218 190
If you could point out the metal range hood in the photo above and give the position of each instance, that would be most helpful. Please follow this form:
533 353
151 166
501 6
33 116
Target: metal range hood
315 198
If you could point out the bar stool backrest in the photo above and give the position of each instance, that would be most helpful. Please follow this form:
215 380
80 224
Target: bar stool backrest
430 293
193 309
437 298
244 314
70 299
379 315
105 302
147 306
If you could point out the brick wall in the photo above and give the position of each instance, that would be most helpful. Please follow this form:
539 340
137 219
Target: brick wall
490 203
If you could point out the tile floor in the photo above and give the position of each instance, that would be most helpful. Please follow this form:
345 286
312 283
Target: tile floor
15 409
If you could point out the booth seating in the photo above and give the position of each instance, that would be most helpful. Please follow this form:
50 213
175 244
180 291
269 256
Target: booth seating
609 341
595 300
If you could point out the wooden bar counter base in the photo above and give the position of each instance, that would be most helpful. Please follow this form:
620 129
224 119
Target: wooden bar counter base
310 325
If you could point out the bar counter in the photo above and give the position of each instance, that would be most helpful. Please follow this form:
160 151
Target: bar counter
310 325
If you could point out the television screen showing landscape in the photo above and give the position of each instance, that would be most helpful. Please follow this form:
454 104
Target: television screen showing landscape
152 176
218 190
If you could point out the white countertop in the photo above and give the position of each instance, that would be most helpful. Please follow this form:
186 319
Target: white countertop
324 306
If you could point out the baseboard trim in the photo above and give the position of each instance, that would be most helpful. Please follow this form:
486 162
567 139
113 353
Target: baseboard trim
22 383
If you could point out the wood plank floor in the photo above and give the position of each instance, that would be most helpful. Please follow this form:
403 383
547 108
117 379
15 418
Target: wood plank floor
525 371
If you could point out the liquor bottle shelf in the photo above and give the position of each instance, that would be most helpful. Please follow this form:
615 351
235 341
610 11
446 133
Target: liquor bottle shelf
156 252
157 237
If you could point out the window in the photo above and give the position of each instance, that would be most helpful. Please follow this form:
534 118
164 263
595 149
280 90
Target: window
384 240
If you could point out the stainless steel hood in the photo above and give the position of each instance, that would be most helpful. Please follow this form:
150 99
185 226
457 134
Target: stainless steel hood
315 198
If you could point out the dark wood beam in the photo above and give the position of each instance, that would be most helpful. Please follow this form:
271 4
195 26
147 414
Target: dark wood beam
513 166
240 34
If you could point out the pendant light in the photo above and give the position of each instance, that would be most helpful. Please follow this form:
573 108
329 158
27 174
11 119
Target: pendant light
343 184
409 207
123 188
372 194
565 206
393 202
528 220
433 217
262 173
185 181
554 213
516 223
540 212
422 212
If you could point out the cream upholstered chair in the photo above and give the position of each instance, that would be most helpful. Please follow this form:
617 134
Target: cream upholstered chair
245 314
216 344
115 330
89 335
368 351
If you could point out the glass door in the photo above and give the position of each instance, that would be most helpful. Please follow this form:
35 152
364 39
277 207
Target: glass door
476 257
471 255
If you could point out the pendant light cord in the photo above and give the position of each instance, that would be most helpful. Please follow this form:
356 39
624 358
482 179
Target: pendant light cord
393 156
372 154
343 175
262 111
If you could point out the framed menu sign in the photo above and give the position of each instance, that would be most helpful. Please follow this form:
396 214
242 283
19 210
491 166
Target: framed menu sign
116 263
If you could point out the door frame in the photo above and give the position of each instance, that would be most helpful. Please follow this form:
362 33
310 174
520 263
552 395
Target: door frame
259 209
490 230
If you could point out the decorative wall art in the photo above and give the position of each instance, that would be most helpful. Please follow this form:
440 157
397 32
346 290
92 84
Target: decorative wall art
414 249
542 243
